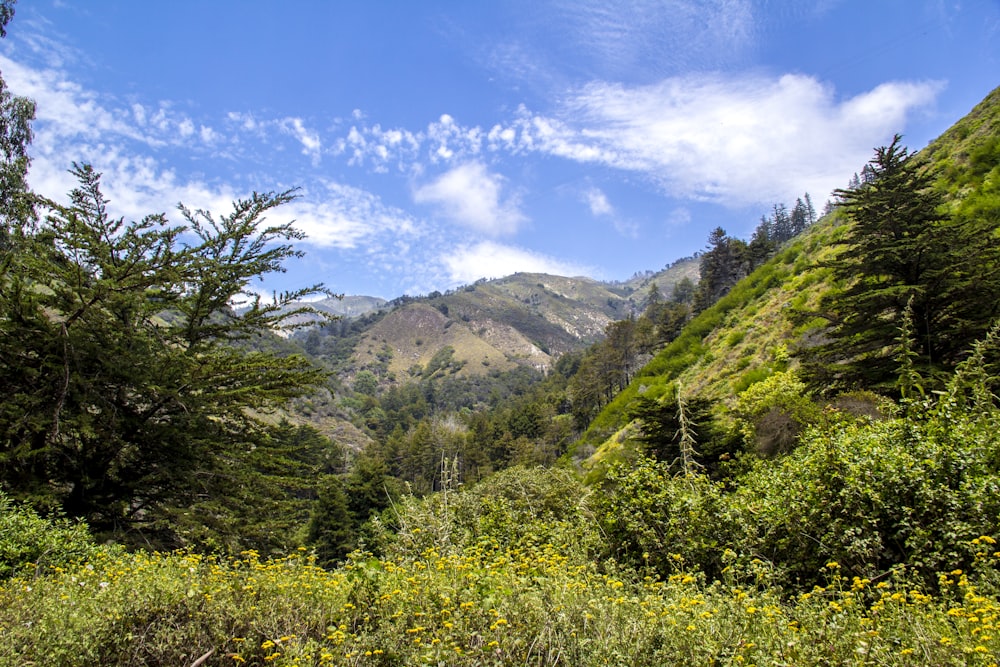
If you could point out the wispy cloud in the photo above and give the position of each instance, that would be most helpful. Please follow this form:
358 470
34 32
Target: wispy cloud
131 143
616 37
443 141
309 139
729 139
600 207
598 202
341 216
488 259
472 196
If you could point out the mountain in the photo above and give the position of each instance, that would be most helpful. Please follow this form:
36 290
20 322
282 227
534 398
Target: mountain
349 306
526 319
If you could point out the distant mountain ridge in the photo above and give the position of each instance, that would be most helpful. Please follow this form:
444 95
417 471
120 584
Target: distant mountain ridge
492 325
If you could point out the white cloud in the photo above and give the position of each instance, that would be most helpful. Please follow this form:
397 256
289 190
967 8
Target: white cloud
598 202
620 36
472 196
679 217
444 141
600 207
309 139
131 143
347 217
733 140
488 259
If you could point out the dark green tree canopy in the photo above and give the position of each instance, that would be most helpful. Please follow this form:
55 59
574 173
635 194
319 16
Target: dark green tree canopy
124 382
902 252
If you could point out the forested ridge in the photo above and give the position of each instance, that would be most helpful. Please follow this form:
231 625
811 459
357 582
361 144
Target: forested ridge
784 450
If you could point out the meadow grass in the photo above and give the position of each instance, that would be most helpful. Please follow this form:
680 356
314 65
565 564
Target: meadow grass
485 604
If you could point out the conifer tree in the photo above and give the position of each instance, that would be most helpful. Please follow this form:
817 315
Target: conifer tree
124 379
901 248
723 265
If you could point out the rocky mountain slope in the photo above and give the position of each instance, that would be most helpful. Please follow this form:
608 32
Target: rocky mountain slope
527 319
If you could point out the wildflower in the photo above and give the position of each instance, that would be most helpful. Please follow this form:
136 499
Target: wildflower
833 565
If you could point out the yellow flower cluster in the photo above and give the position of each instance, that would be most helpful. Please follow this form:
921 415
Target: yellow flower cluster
535 604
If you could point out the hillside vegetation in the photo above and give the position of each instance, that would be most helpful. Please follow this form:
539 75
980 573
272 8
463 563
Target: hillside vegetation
795 461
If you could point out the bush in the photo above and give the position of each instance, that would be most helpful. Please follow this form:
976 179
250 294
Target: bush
667 522
517 507
772 412
874 495
30 544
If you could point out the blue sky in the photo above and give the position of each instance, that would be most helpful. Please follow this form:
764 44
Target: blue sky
438 142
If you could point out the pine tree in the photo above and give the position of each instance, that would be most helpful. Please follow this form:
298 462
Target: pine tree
902 250
781 224
723 265
799 217
332 531
762 244
122 360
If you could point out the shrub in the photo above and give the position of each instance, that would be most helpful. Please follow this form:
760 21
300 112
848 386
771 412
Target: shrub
772 412
667 522
874 495
30 544
513 508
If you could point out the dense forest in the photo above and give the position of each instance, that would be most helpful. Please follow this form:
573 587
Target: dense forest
785 450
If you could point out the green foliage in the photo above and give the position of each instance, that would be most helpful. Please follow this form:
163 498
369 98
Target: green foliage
366 383
514 509
121 379
32 546
17 205
666 422
724 264
681 354
441 362
872 496
668 522
904 252
262 502
332 530
772 413
535 605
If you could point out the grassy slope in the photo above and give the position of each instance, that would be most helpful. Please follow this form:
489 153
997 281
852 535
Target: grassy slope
748 333
743 337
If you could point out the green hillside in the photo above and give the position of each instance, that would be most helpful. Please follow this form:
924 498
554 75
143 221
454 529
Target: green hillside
762 325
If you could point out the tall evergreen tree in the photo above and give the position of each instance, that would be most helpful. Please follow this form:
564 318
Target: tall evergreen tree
762 244
799 217
902 251
125 385
16 116
723 265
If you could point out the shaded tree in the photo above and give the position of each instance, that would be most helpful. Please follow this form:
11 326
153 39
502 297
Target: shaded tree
902 251
124 379
332 532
